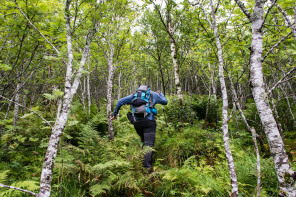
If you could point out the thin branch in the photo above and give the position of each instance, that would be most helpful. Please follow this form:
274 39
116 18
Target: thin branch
279 42
27 109
227 21
217 7
244 9
57 51
267 12
23 190
282 80
230 115
286 19
203 10
289 79
162 21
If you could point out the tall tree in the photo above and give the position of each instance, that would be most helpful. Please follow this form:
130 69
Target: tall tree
69 92
286 176
115 32
225 117
169 28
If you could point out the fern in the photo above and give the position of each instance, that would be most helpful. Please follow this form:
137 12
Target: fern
3 175
99 189
110 165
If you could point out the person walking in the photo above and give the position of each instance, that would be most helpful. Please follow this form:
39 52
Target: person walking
143 116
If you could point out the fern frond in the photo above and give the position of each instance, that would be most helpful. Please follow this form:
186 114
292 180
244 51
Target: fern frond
3 175
99 189
110 165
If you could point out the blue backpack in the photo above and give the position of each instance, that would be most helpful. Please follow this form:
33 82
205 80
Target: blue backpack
142 102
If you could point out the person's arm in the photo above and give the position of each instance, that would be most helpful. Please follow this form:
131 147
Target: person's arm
159 98
121 102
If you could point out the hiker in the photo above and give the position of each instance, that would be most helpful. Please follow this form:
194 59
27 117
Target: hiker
142 116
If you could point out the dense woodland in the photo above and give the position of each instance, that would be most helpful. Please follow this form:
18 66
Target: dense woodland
226 67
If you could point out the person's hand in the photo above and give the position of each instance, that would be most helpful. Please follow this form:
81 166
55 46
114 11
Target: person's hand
112 117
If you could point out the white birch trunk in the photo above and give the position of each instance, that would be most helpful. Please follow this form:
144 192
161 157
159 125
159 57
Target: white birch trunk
109 91
119 88
174 57
24 103
276 145
59 108
16 106
233 177
69 92
252 131
83 94
88 91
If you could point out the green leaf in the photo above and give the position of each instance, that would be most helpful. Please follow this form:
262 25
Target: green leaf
110 164
3 175
5 67
99 189
72 123
27 115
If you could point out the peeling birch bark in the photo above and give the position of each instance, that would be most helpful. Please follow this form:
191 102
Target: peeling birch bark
276 145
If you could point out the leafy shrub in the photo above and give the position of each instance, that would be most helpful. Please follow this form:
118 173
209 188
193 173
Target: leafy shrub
180 113
199 106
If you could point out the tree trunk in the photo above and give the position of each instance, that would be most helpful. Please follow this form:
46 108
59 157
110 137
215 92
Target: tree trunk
174 57
16 106
88 91
69 92
109 92
83 93
59 108
162 78
252 131
119 88
233 177
283 168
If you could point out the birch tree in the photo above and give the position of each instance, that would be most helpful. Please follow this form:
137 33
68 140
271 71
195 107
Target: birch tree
115 33
252 131
169 27
285 174
213 25
69 92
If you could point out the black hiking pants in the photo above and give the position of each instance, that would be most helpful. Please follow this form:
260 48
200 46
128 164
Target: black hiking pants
146 129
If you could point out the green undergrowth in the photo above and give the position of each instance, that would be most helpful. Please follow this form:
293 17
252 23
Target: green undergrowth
188 159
